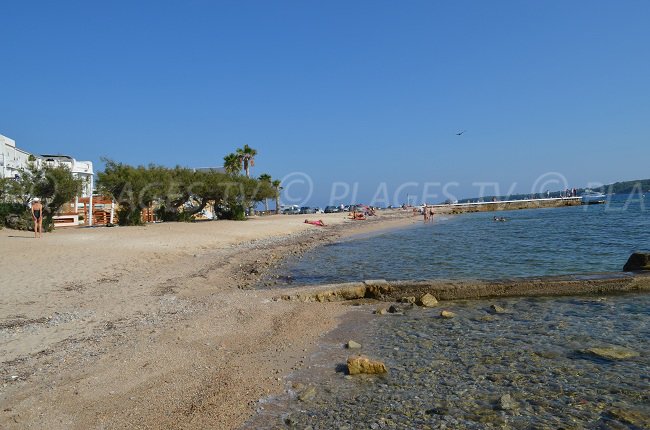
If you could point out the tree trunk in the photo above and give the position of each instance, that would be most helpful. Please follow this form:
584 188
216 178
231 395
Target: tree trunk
266 205
277 204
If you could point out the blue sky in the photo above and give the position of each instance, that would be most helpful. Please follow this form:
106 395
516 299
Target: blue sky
363 93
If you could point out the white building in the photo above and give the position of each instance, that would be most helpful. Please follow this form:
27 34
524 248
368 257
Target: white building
13 160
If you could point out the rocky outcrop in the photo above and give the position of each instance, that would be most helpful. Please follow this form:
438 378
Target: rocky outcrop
361 364
637 261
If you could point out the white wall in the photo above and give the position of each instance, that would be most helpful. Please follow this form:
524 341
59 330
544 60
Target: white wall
12 159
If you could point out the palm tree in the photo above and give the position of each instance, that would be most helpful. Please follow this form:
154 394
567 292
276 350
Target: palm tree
247 157
232 164
265 177
277 188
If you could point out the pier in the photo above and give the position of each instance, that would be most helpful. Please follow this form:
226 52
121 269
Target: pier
506 205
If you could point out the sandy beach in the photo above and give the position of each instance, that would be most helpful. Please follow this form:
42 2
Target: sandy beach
156 326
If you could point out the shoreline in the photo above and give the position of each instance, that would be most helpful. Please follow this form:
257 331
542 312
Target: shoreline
167 338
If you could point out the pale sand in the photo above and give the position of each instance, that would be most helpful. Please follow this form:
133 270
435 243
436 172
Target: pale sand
156 326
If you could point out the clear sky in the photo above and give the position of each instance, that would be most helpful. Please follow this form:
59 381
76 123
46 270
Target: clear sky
357 92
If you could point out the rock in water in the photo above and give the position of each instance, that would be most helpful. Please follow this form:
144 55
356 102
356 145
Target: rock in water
496 309
637 261
506 403
636 418
612 352
447 314
428 301
361 364
308 394
353 345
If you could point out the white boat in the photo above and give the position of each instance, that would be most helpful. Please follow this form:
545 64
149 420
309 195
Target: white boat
591 197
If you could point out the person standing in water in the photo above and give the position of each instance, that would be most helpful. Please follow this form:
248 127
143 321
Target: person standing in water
37 214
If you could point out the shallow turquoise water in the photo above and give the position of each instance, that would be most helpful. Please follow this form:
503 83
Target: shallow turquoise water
534 242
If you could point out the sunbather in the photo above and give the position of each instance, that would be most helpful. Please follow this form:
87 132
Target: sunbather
319 223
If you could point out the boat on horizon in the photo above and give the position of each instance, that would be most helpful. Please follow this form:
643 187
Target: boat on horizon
590 197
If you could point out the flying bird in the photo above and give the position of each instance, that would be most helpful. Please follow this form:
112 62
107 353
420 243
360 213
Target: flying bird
460 133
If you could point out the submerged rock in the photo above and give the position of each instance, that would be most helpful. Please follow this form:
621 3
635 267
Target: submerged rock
506 403
612 352
637 261
361 364
410 299
635 418
394 309
307 394
447 314
496 309
381 311
428 301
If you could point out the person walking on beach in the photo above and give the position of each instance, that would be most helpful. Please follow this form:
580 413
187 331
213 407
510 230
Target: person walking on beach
37 214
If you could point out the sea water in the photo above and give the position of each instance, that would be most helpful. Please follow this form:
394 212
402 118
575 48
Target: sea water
531 242
528 368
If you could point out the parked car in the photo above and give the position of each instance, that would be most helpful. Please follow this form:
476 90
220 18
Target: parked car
291 211
307 210
319 211
331 209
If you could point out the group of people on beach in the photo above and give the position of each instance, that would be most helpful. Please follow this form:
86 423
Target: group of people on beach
427 213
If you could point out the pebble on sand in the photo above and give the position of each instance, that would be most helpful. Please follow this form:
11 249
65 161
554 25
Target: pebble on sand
352 345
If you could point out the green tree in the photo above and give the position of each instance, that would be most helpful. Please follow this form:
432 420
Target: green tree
4 189
57 188
276 193
54 185
247 157
266 180
134 188
232 164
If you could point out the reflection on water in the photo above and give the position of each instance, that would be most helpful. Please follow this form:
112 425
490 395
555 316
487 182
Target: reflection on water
527 368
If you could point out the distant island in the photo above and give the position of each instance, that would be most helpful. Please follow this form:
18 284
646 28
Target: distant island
640 186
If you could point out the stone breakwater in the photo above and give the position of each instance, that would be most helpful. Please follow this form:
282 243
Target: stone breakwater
506 205
608 283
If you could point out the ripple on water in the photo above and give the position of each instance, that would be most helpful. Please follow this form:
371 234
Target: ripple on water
523 369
